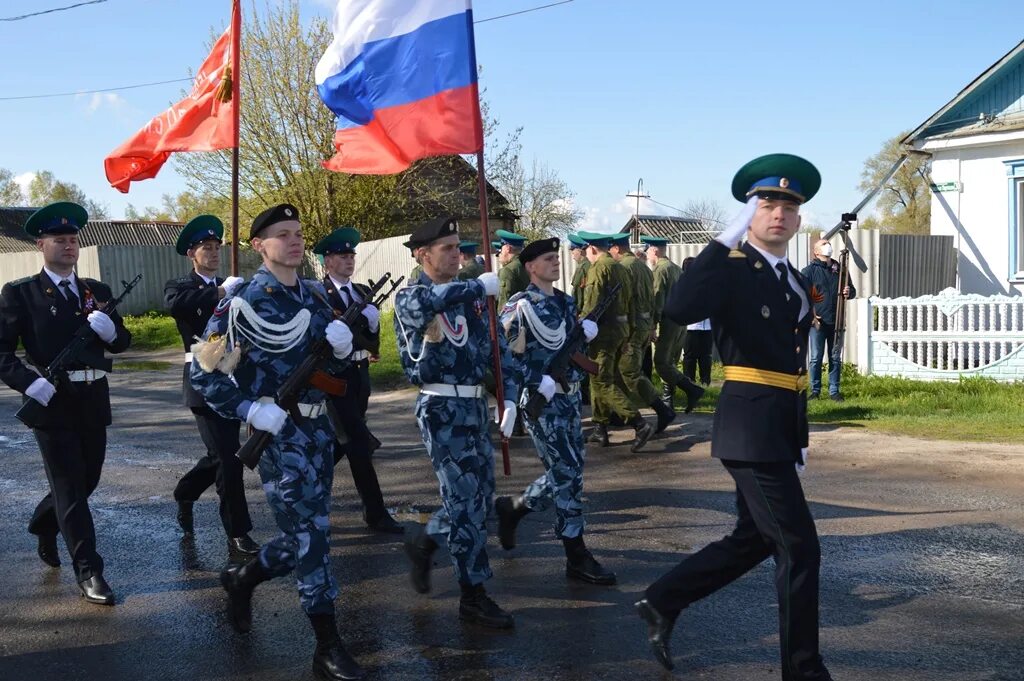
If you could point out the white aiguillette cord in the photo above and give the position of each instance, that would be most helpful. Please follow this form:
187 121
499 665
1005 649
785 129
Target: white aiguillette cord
551 339
456 336
267 336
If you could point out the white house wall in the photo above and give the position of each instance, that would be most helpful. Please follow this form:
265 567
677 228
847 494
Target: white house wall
977 217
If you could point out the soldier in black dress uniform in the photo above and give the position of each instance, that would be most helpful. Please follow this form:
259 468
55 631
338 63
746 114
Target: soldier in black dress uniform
759 306
191 300
348 411
44 312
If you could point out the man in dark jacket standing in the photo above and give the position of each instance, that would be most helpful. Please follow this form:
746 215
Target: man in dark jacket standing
823 274
44 312
190 300
760 312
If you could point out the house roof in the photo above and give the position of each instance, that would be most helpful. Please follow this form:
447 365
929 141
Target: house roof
447 185
992 102
97 232
677 230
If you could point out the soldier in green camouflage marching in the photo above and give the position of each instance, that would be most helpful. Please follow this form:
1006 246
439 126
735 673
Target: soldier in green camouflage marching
537 323
578 251
606 349
668 344
470 267
512 278
639 388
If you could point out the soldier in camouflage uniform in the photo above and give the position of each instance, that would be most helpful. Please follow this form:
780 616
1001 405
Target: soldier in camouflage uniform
668 343
639 388
578 250
512 277
607 348
444 343
238 371
471 267
537 323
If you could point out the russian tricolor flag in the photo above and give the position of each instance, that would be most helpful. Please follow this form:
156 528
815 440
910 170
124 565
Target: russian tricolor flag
400 75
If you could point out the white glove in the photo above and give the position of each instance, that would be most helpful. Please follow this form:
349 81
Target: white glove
589 329
41 390
734 231
508 420
103 326
230 284
546 387
490 282
801 467
372 315
266 416
340 338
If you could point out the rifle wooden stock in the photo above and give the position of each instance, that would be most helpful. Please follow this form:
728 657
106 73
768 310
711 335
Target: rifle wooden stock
584 362
303 377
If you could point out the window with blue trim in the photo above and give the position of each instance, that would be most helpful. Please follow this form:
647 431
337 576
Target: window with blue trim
1015 237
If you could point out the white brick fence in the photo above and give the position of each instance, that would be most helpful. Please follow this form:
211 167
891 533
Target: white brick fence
942 337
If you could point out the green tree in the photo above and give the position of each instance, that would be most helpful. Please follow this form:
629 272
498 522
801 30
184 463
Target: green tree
904 203
10 192
45 188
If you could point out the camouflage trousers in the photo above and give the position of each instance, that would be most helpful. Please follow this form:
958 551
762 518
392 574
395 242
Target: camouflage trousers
667 350
606 392
558 437
638 388
454 429
297 470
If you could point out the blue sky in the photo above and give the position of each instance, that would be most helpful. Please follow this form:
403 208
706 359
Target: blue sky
677 92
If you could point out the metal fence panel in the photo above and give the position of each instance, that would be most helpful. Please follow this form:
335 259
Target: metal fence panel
915 266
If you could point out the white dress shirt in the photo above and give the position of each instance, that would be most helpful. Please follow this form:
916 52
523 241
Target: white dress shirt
794 283
56 278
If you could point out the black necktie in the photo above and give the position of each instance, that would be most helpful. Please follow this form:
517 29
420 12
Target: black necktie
792 299
68 293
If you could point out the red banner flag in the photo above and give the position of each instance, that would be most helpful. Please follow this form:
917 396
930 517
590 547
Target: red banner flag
203 121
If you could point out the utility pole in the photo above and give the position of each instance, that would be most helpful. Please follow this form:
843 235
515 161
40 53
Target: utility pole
638 195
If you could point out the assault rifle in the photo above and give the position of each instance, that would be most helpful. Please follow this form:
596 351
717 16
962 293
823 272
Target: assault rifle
298 381
571 351
74 352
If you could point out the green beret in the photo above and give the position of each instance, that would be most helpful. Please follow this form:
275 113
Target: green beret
62 217
199 229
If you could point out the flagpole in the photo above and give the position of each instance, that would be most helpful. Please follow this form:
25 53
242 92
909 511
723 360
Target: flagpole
236 111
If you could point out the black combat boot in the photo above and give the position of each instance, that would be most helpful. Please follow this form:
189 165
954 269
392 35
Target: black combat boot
476 606
599 435
510 511
665 414
643 431
331 661
185 520
240 581
693 393
46 547
668 395
581 565
420 548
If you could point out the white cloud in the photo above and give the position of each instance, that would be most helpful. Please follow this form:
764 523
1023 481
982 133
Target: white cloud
95 101
23 180
614 216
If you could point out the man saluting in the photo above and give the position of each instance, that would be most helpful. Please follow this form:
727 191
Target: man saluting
760 315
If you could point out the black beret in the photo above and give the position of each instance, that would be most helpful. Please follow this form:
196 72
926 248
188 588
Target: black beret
537 248
284 212
429 232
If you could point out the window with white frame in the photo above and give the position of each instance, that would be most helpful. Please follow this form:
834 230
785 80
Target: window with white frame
1019 231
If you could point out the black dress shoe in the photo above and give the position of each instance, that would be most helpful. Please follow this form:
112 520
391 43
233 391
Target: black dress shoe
96 590
243 545
185 520
386 525
659 630
47 550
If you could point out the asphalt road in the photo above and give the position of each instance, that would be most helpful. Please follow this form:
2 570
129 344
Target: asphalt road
922 578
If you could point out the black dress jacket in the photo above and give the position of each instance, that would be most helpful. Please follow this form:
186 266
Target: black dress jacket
191 301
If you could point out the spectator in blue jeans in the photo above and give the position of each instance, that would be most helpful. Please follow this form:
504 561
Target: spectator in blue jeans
823 274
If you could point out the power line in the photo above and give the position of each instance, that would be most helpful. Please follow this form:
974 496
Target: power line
55 9
89 92
524 11
180 80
